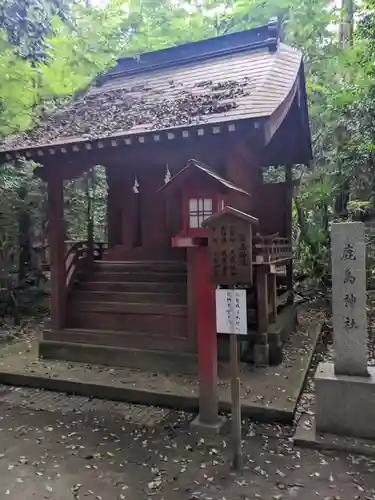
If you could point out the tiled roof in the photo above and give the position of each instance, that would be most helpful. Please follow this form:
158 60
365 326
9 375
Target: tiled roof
248 81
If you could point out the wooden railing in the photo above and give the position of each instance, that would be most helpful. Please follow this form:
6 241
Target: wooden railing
76 259
98 250
271 249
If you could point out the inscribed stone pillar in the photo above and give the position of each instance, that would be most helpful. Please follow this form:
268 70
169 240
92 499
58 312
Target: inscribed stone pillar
349 298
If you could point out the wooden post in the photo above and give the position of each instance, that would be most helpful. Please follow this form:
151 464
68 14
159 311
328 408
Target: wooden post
192 296
262 298
236 406
207 341
56 250
272 296
289 228
232 319
261 348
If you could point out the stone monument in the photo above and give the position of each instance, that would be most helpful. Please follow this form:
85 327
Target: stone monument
345 389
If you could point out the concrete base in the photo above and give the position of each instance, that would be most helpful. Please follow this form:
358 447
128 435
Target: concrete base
345 405
267 394
261 354
275 353
208 431
307 437
140 359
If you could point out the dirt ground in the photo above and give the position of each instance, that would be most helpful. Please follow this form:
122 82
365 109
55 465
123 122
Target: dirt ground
66 451
54 446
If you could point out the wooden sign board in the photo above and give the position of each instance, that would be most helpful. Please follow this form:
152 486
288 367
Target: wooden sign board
230 245
231 311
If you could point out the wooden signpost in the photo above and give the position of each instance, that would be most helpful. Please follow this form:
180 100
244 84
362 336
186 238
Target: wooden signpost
231 318
230 245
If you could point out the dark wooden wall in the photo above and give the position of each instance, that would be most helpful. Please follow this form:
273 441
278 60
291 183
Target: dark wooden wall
161 216
271 207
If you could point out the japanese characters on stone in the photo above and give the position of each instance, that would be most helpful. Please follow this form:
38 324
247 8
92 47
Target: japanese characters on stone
349 296
349 318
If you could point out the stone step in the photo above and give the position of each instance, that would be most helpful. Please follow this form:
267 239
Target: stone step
129 297
140 266
132 286
139 277
128 307
158 321
120 338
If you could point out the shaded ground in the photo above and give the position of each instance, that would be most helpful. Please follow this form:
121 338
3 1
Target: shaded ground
266 393
29 329
62 447
96 454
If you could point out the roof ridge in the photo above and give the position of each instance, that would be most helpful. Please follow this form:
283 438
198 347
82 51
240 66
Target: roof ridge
262 37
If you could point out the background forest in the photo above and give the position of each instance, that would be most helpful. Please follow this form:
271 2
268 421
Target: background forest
51 49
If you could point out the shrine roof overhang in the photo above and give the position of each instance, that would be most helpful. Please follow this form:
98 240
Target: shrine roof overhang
228 210
192 164
208 87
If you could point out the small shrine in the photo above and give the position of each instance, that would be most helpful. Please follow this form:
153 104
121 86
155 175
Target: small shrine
186 136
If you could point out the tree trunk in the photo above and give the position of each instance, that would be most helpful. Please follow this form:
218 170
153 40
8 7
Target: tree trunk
346 25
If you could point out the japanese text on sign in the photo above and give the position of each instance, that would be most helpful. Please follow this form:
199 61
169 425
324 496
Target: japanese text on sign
349 318
231 312
230 247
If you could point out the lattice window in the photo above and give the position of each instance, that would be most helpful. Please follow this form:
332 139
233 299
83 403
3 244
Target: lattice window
199 210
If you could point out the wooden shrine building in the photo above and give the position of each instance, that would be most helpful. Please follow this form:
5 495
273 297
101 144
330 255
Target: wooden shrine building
182 132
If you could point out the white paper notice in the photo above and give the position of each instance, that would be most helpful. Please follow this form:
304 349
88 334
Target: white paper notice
231 311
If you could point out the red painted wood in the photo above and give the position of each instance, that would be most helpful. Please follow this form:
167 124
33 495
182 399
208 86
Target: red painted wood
192 295
55 210
207 340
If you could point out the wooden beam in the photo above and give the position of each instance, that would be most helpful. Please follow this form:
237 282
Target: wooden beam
192 296
55 212
289 227
272 297
262 299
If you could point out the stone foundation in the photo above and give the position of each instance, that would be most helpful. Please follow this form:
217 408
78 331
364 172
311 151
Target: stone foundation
345 405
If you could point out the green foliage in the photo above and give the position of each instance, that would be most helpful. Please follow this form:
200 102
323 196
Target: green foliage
51 49
26 24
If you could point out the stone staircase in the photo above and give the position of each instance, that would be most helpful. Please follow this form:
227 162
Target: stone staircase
138 305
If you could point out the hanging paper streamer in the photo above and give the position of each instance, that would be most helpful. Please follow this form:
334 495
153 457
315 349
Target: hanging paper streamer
135 187
168 175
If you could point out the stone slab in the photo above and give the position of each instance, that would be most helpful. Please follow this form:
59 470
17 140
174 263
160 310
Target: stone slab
306 436
142 359
349 298
267 394
40 400
345 404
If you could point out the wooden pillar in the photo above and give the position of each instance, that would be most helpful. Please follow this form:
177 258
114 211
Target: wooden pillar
191 262
289 228
272 296
111 209
207 341
55 209
261 348
274 333
262 298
